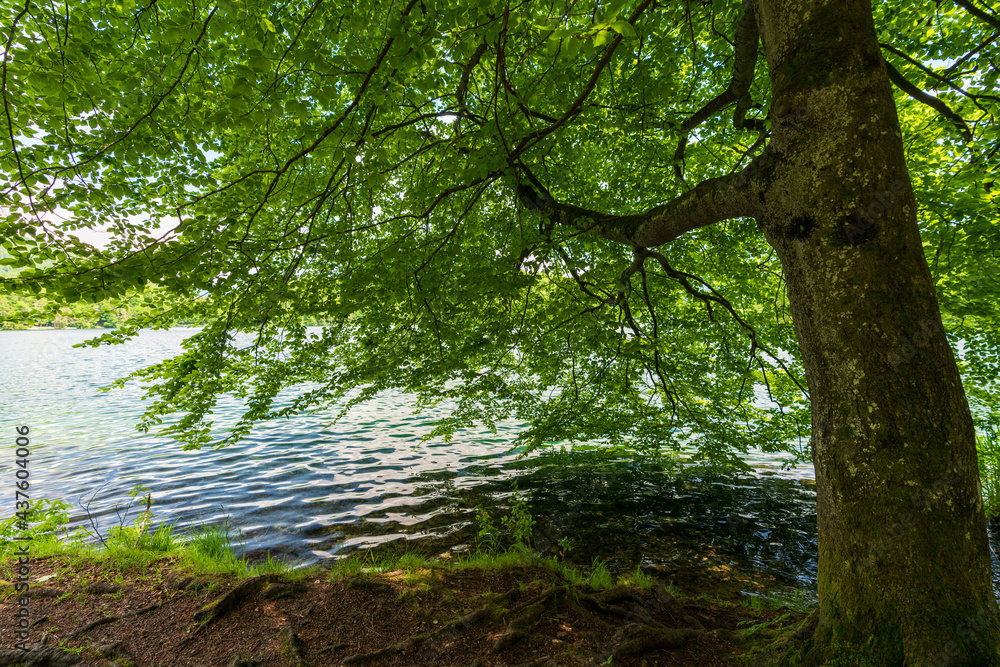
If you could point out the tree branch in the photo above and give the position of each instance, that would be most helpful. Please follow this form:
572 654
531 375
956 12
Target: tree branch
711 201
939 77
685 278
463 85
744 65
574 108
938 105
978 13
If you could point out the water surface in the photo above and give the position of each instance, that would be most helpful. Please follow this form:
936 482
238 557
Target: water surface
313 491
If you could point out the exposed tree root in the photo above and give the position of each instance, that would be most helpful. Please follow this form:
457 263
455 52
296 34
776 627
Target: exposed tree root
609 605
102 589
546 623
279 590
291 647
456 626
623 622
116 652
182 582
38 656
789 641
644 630
90 626
91 589
473 618
45 592
238 661
221 606
674 607
393 649
518 628
645 639
376 586
112 619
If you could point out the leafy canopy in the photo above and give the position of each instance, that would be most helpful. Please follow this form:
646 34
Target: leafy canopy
378 166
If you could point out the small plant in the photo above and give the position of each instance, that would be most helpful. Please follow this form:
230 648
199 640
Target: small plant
751 628
161 540
487 530
134 544
794 599
213 545
371 561
988 449
638 579
142 522
519 523
599 575
269 566
121 533
411 562
43 520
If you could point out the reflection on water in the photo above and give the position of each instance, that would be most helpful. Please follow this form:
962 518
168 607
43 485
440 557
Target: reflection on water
313 490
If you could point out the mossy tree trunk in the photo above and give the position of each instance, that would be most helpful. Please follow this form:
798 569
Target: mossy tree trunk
904 568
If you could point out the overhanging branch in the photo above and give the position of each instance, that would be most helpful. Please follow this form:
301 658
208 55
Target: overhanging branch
745 62
979 14
900 82
574 108
713 296
941 78
711 201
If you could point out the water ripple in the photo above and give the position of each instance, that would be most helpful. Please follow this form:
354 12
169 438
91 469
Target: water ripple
313 491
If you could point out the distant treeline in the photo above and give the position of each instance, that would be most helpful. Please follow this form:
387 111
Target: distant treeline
104 315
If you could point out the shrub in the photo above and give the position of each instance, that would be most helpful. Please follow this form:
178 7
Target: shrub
988 449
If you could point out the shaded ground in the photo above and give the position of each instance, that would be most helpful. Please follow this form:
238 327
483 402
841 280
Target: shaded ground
520 616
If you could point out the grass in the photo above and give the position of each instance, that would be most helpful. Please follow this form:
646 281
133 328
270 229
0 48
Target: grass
207 550
213 550
370 562
794 599
988 450
210 550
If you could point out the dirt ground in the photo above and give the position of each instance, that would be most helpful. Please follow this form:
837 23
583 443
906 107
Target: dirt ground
86 613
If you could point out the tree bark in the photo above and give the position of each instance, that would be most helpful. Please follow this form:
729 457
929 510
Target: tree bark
904 567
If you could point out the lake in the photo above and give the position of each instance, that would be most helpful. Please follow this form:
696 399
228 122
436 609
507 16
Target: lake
311 491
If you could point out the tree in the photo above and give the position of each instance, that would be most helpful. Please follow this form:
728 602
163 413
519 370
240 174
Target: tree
608 219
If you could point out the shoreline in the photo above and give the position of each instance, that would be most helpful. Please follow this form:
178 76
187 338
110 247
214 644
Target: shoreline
490 610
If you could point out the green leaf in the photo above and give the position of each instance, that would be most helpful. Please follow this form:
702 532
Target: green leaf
603 37
571 47
624 28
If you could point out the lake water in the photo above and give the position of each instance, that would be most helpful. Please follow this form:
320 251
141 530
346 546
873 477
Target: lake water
310 491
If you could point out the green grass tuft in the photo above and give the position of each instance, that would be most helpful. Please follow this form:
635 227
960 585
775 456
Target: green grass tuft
210 550
599 575
639 579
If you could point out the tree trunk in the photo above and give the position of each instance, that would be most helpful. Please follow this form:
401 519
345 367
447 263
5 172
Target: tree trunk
904 567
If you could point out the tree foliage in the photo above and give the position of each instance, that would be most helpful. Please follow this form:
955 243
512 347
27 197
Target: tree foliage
381 167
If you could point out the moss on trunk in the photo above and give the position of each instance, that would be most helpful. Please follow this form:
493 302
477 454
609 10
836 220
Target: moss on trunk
904 569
